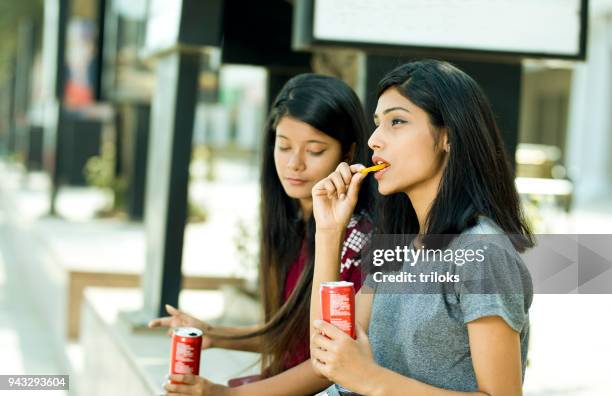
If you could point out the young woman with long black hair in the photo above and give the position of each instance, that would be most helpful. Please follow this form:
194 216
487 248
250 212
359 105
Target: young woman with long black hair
447 175
315 123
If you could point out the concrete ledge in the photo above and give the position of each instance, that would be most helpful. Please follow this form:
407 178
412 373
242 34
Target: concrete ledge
79 280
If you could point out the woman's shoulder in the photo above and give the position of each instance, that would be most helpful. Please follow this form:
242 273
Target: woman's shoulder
486 232
499 257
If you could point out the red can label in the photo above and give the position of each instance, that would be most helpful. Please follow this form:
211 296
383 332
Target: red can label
338 305
186 349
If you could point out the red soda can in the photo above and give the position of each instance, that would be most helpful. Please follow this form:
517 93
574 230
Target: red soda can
186 349
338 305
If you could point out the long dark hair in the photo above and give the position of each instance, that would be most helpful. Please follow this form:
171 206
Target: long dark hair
478 178
331 106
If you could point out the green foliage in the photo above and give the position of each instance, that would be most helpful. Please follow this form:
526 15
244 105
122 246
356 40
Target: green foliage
100 172
196 213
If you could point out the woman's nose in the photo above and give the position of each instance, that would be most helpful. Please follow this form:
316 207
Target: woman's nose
374 142
296 162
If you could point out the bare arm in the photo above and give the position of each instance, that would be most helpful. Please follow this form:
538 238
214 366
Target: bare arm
179 318
251 344
334 199
297 381
327 262
326 252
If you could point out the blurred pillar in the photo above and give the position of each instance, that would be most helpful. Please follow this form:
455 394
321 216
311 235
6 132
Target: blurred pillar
589 142
11 137
4 116
54 35
69 132
23 72
132 104
139 139
172 118
177 53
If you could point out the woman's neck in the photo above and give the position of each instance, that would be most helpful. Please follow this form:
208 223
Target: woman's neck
422 197
306 207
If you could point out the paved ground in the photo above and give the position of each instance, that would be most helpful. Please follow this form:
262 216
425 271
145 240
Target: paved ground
25 346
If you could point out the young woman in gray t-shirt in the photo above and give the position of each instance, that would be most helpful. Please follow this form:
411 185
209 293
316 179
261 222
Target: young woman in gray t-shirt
447 174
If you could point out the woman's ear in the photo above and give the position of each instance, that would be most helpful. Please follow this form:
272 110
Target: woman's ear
350 155
444 140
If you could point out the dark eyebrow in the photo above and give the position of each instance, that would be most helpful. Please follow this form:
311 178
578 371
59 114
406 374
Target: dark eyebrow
309 141
392 109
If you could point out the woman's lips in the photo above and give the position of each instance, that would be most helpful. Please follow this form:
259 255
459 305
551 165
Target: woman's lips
377 160
381 172
295 182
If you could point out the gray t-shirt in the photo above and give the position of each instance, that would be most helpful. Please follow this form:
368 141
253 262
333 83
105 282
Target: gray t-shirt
424 335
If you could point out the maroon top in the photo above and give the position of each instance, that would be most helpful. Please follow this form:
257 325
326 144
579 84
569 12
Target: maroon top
358 232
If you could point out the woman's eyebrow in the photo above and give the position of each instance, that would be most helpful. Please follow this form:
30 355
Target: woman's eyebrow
278 135
392 109
396 108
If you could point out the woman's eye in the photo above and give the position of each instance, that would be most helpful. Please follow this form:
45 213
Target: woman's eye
397 121
317 153
283 148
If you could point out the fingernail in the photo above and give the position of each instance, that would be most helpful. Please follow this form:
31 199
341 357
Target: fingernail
317 322
342 196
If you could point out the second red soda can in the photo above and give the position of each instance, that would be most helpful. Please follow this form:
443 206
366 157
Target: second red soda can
338 305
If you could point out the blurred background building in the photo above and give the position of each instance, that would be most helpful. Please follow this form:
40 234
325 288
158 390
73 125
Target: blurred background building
119 119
